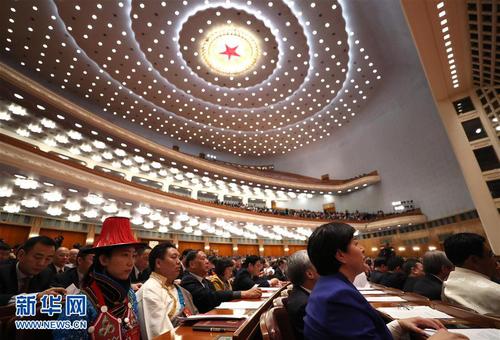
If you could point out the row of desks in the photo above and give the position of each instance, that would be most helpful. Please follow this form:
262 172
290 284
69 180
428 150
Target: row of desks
248 330
461 317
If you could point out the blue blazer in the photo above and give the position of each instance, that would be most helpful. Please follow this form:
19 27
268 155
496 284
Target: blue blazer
337 310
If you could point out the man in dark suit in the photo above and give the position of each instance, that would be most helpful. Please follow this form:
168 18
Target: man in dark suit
61 259
437 267
205 297
29 274
303 276
380 268
141 270
248 276
75 275
395 277
280 270
414 271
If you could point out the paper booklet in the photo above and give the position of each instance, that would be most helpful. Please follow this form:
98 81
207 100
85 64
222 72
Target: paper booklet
413 311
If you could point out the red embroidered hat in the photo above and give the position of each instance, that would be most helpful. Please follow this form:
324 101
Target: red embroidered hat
116 232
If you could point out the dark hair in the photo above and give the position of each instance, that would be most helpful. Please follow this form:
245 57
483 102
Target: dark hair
324 243
394 262
459 247
280 262
221 265
185 252
380 261
158 252
4 246
32 242
190 256
252 259
141 250
83 251
409 265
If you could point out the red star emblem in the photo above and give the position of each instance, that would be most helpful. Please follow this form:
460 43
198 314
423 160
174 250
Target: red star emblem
230 52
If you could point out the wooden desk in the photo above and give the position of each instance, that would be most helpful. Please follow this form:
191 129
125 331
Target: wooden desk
462 317
248 330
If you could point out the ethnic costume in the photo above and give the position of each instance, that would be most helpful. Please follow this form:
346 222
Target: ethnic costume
112 311
161 304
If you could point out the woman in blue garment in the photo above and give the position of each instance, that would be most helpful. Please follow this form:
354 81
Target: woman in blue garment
335 308
112 311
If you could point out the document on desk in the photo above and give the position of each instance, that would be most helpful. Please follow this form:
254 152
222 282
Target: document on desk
387 298
266 295
473 333
215 316
372 292
366 288
240 305
269 289
413 311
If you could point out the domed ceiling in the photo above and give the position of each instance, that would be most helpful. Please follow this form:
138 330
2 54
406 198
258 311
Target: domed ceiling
251 78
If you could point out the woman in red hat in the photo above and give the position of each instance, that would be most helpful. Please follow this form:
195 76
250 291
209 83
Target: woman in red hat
111 303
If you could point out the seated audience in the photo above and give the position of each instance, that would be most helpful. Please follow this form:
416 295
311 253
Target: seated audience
437 267
161 301
303 275
248 276
336 309
60 261
29 274
280 270
379 269
112 311
205 296
141 266
414 271
75 275
223 272
471 284
73 253
237 265
387 251
395 277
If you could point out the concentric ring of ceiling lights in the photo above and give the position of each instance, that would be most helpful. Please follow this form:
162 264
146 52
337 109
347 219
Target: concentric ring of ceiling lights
128 58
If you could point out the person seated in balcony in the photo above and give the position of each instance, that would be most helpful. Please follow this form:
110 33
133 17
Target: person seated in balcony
223 272
141 270
437 267
249 275
471 284
395 277
84 260
303 275
414 271
379 269
30 273
205 296
161 301
4 252
336 309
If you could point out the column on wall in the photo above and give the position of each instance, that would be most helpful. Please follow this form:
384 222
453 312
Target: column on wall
261 247
90 234
35 226
235 246
206 244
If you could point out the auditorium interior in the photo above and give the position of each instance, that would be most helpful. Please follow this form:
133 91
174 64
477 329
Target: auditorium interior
239 127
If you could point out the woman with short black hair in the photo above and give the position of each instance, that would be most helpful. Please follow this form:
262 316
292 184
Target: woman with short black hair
223 272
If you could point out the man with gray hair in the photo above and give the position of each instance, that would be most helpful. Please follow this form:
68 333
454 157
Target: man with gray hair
437 267
302 273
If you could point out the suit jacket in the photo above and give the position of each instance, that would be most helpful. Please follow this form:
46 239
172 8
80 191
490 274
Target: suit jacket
337 310
142 277
375 276
244 281
410 282
8 282
429 286
65 279
279 274
393 279
296 308
53 270
205 297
